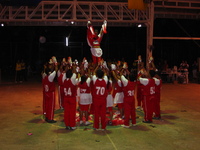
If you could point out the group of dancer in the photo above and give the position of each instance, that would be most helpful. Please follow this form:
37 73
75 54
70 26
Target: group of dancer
98 87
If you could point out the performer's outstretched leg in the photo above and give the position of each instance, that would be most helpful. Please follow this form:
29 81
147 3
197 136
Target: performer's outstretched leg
94 59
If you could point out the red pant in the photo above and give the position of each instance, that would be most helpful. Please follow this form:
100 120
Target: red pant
139 96
148 107
99 113
96 59
70 111
156 106
49 104
129 110
61 96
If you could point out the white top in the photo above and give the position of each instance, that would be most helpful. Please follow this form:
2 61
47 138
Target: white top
157 81
94 78
73 78
124 80
144 81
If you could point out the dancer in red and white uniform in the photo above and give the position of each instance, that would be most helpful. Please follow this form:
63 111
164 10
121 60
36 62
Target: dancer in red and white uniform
110 102
70 92
148 94
60 74
158 86
118 89
129 87
100 93
94 40
84 93
49 91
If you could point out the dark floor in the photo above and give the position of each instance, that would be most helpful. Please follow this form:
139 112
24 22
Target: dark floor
23 128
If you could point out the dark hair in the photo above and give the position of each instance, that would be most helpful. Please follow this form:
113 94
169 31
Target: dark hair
152 73
47 71
83 79
99 73
69 73
133 75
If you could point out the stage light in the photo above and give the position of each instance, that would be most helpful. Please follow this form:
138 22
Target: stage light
67 41
139 25
72 22
42 39
2 25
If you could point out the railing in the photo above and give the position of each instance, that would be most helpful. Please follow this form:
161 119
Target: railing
76 13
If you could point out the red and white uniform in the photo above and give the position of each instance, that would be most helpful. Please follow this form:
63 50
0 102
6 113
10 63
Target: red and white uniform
84 92
99 99
129 100
139 94
60 89
91 111
109 98
70 93
148 93
94 42
49 95
119 96
156 109
139 89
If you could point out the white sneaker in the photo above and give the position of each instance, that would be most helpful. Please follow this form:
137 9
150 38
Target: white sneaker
87 123
124 126
73 128
81 122
97 129
134 125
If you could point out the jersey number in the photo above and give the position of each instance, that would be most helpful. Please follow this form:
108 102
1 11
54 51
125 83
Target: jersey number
100 90
152 90
83 90
130 93
68 91
46 88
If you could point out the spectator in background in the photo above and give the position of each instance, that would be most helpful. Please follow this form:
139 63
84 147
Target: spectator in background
18 76
184 66
23 70
194 70
165 66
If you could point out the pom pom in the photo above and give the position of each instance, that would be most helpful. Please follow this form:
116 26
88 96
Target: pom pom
50 61
54 59
113 67
125 66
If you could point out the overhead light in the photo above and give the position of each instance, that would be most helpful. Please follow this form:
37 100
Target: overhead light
67 41
139 25
2 25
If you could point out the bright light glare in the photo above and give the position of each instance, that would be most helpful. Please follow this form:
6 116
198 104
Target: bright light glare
67 42
2 25
139 25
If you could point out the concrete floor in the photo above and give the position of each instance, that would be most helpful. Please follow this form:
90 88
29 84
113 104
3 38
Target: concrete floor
23 128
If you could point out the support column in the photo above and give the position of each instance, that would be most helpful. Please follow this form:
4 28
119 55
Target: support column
150 26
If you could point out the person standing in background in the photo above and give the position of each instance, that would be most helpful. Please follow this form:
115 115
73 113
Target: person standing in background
23 70
194 70
18 73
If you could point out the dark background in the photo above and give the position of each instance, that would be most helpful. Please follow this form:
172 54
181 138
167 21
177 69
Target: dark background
119 43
